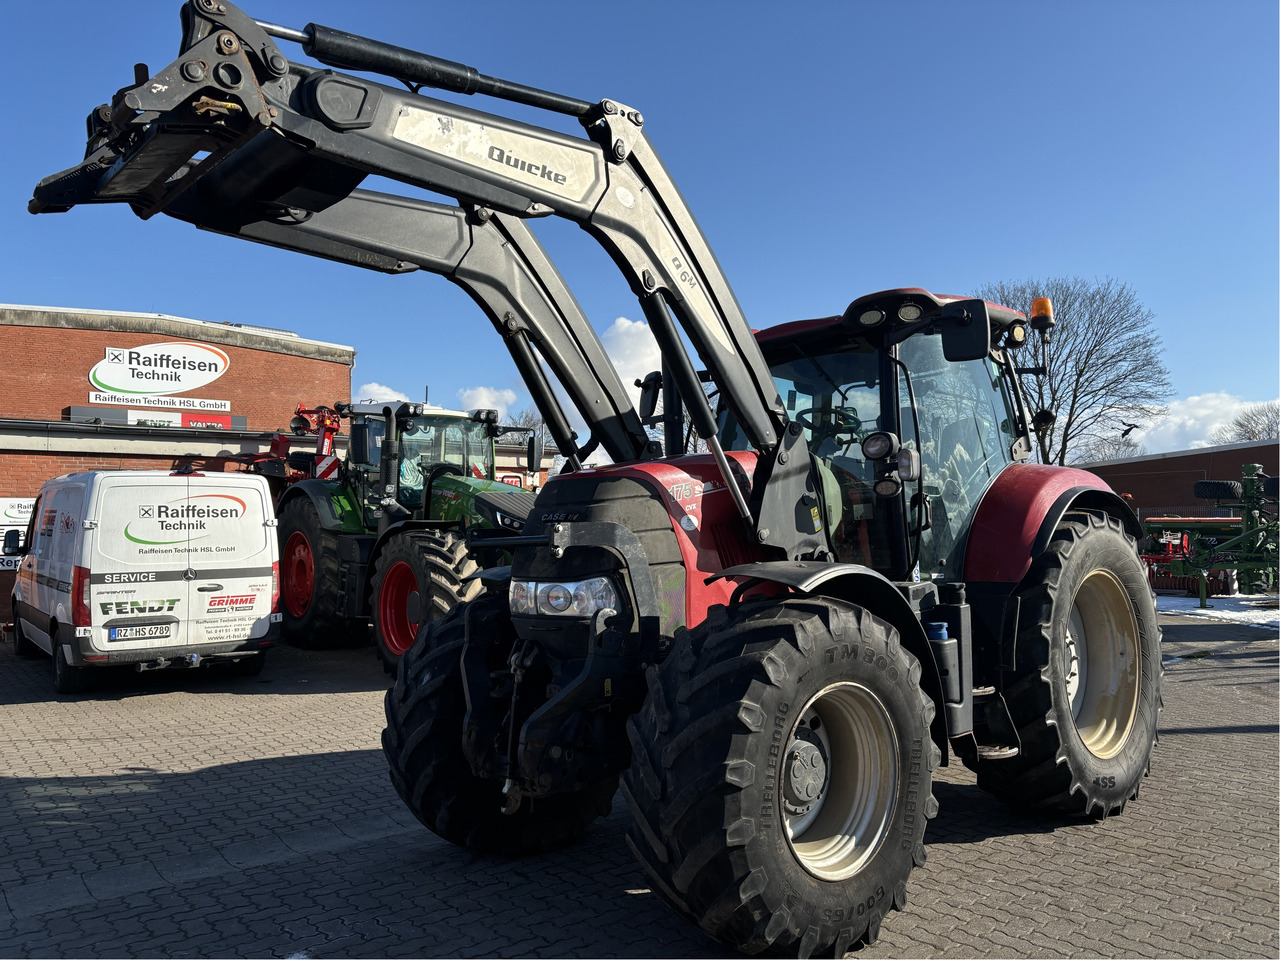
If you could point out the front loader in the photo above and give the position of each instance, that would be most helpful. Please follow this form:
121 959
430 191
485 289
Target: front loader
771 646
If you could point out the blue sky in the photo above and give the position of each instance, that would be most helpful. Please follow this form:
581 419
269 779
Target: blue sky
828 150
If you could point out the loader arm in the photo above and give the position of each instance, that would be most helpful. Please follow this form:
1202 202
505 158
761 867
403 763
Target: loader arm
496 259
232 104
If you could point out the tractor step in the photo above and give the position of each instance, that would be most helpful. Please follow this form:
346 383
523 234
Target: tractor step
996 751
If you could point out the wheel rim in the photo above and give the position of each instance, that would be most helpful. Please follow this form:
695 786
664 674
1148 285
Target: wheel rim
298 574
839 781
398 608
1102 666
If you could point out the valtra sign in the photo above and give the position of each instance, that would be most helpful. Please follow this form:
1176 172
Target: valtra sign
156 369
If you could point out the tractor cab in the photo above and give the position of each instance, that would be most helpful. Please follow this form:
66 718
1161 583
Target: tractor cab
909 411
428 445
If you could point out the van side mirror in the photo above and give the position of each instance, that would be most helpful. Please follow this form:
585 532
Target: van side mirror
534 453
13 546
966 330
358 444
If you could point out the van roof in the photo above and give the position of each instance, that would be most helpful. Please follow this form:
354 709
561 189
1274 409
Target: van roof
88 476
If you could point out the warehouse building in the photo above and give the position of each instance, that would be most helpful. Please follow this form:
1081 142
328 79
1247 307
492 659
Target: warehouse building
105 390
1162 484
108 390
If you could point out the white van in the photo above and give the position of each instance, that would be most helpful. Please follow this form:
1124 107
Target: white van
146 568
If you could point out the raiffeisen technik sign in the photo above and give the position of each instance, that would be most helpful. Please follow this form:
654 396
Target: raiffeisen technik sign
150 374
155 369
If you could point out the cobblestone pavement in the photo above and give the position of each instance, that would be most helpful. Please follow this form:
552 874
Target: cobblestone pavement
200 815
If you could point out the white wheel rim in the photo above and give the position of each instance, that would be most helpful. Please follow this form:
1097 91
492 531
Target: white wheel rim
852 760
1077 665
1102 636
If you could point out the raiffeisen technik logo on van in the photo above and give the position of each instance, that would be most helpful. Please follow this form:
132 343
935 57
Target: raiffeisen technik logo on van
181 521
156 369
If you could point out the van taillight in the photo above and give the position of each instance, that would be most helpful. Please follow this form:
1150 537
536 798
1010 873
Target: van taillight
80 597
275 586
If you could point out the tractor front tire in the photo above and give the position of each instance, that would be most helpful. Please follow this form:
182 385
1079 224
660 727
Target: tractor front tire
418 578
781 775
310 599
1086 696
422 742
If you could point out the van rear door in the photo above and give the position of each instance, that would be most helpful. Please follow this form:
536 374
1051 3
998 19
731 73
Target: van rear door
139 562
232 554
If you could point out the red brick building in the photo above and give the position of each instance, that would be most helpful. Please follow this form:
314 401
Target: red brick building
1161 484
95 389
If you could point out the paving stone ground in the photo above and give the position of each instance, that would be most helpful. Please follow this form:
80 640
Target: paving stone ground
197 815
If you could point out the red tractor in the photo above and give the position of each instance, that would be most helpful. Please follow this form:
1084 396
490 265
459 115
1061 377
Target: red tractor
767 649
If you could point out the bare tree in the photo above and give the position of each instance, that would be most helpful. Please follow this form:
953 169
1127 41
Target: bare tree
1096 449
1103 377
1258 421
528 417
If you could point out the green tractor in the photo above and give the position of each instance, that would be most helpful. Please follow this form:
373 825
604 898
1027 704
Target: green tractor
380 537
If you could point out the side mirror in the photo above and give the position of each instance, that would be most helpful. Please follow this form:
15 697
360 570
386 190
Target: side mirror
533 453
13 543
358 445
1043 420
650 390
966 330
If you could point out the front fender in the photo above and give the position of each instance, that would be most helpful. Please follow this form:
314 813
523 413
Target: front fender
872 591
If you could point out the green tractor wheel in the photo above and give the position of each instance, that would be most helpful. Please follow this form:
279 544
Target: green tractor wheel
418 577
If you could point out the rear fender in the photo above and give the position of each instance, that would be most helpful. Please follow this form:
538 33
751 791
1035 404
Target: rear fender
324 496
873 592
1020 511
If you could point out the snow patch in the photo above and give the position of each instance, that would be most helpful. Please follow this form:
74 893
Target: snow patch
1258 610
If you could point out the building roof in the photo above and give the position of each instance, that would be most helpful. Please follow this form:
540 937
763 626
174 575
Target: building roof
232 334
1194 451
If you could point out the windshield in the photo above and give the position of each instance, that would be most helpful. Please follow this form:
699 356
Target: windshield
835 397
430 442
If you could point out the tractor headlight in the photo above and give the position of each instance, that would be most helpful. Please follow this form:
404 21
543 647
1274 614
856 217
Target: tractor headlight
582 598
507 522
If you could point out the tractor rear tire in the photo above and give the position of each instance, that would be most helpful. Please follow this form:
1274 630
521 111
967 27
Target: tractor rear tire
418 578
22 645
310 599
423 745
1086 696
781 775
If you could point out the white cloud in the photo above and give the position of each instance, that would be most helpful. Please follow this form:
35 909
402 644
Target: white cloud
1190 421
472 398
633 350
376 393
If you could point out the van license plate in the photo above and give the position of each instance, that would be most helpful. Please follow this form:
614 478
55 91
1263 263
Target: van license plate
140 633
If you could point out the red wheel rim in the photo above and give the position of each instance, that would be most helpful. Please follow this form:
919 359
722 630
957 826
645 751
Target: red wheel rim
399 590
298 571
